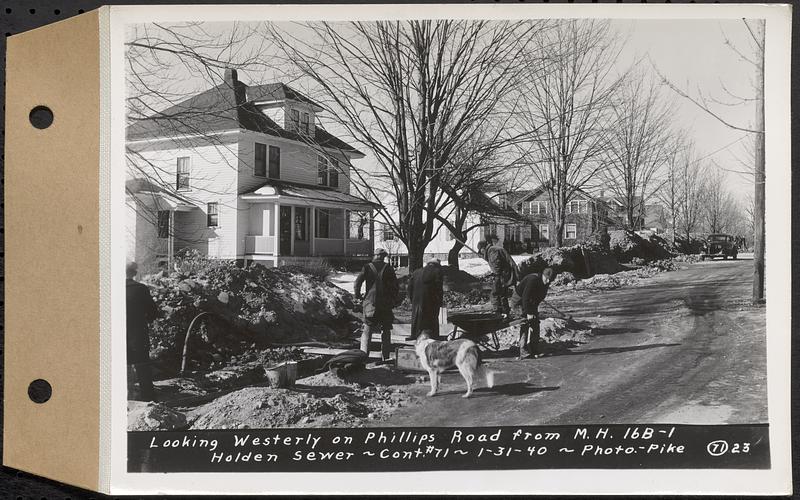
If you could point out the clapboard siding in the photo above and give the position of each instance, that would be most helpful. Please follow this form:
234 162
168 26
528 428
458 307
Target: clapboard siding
213 178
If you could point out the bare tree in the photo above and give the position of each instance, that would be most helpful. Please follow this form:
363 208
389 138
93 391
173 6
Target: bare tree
668 192
638 144
754 56
691 179
565 105
719 205
413 93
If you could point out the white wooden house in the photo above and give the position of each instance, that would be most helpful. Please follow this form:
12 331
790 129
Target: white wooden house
242 172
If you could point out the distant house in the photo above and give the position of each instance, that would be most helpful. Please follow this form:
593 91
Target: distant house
585 214
484 215
652 218
242 172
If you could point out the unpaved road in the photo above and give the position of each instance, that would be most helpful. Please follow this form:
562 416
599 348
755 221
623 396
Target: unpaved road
682 347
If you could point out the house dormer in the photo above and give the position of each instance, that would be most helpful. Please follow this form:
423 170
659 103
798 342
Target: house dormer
285 106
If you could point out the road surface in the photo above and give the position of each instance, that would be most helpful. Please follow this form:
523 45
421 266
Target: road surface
682 347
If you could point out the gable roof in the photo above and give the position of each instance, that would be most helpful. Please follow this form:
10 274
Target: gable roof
515 197
230 106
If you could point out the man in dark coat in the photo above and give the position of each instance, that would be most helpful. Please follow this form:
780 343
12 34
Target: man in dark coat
425 294
379 299
140 312
528 294
504 270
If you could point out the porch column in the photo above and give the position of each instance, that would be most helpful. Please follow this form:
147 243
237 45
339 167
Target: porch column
277 231
291 222
344 232
313 224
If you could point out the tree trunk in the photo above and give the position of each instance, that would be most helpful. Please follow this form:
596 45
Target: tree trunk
760 178
452 255
416 255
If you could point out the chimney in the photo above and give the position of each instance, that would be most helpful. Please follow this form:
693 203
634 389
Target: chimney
231 76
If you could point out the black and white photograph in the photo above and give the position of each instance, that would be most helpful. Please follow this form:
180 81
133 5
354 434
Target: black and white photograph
447 243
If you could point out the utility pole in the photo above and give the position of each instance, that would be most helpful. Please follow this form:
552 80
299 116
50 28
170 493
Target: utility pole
759 209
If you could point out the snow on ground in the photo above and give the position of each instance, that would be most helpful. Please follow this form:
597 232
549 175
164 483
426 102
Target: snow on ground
478 267
345 281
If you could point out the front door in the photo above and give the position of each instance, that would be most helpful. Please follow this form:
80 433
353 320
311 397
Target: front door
286 231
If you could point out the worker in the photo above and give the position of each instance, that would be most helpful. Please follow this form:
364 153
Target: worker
379 298
140 312
425 294
528 294
505 273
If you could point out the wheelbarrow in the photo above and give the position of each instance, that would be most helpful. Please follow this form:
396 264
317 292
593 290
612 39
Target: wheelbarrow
480 327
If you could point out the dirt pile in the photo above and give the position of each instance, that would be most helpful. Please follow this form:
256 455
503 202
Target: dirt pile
556 335
248 308
626 245
623 278
580 261
323 400
144 416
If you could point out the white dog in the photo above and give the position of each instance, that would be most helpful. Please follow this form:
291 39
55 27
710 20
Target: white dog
437 356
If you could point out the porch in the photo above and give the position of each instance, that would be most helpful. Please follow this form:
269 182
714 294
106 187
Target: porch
294 223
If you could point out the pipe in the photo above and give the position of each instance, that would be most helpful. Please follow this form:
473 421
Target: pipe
185 355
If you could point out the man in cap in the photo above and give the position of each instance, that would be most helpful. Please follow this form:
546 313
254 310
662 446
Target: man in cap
379 299
528 294
140 312
425 293
504 270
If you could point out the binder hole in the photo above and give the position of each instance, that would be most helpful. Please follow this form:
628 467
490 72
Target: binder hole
41 117
40 391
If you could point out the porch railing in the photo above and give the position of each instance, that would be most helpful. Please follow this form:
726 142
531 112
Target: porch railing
259 244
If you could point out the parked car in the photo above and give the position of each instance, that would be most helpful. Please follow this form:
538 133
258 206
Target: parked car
719 245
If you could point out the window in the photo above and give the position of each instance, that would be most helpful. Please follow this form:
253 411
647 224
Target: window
163 223
322 171
300 218
578 207
295 123
274 162
570 232
525 208
333 174
323 219
306 124
537 207
182 177
388 233
544 232
260 168
212 213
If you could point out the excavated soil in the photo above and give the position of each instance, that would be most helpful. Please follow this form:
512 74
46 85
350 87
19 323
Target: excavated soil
323 400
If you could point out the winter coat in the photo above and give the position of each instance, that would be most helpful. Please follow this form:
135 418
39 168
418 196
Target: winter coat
381 290
140 312
425 294
532 291
502 265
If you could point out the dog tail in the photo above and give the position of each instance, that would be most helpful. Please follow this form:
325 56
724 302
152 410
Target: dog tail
489 374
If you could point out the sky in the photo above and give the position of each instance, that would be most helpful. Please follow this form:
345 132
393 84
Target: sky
692 54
